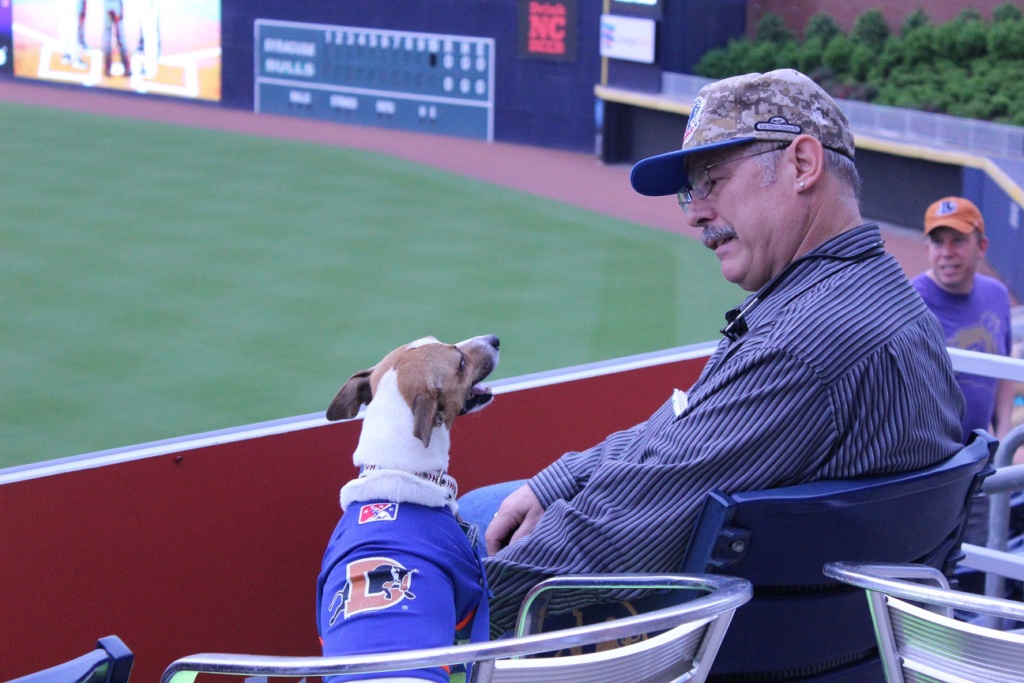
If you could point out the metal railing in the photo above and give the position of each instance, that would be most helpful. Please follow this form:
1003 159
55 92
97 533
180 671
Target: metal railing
999 487
1008 478
902 125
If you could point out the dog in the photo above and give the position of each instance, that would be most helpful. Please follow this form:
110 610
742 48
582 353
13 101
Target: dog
400 572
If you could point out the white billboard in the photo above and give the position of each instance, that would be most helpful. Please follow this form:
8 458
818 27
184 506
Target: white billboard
629 38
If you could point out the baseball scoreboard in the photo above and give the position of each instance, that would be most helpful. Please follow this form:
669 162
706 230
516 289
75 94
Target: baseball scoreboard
395 79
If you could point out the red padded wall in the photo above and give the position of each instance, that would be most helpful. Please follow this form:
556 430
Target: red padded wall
217 549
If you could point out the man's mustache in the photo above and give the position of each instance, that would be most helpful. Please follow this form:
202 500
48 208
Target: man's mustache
712 236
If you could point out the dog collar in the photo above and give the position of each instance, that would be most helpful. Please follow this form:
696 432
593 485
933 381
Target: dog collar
438 477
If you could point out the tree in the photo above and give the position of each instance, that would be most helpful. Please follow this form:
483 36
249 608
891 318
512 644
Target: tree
1006 12
915 19
892 56
714 63
763 57
919 46
772 29
808 56
969 14
1006 40
821 28
965 67
838 55
962 40
862 59
870 29
726 61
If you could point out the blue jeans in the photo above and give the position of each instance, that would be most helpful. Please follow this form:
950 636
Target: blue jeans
480 505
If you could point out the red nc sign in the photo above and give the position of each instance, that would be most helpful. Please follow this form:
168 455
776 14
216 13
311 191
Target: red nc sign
547 29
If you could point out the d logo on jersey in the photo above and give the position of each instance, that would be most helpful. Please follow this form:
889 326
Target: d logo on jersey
372 584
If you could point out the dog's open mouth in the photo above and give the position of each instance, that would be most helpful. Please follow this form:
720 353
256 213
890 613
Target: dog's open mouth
478 396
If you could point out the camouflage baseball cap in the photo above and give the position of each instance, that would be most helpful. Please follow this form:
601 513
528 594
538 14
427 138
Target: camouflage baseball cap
778 105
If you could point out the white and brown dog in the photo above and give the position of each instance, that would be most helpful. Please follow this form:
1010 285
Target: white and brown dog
400 572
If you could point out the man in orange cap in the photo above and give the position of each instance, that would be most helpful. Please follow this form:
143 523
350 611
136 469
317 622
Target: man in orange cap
974 309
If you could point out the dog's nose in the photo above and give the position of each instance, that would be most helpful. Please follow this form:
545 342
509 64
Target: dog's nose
492 340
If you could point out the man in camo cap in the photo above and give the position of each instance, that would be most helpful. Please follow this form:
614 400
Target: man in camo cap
778 105
832 368
801 139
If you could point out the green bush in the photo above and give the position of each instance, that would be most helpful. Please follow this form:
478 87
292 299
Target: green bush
892 56
915 19
919 46
772 29
821 27
1007 12
838 55
1006 40
965 67
961 41
870 30
808 57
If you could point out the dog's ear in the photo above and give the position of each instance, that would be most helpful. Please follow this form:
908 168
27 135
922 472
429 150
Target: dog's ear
355 392
425 416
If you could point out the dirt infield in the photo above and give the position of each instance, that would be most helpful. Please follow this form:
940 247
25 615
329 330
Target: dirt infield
574 178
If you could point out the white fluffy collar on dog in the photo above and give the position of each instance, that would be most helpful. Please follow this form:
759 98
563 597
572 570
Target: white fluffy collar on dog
439 477
399 486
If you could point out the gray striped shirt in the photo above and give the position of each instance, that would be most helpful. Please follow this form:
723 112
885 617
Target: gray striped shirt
843 372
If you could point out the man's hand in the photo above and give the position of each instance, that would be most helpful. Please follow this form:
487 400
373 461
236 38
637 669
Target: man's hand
516 517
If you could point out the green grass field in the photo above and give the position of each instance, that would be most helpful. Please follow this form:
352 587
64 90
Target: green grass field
158 281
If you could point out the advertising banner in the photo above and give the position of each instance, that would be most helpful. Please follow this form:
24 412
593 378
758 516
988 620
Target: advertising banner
548 30
162 47
6 46
628 38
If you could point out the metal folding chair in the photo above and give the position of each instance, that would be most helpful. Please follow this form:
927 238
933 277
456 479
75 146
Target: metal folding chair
676 643
918 644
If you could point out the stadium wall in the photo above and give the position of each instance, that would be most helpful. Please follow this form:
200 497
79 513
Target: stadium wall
540 99
546 53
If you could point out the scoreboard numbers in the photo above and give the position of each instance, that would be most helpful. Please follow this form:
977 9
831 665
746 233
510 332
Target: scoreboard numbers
424 82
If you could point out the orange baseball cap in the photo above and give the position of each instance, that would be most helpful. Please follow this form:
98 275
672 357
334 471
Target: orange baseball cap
954 212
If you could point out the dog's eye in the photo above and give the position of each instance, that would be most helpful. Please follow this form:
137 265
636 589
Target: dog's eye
462 362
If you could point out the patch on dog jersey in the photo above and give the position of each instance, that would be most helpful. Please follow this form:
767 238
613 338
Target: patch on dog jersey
378 512
372 584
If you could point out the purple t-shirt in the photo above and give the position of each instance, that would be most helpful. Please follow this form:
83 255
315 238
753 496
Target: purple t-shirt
979 321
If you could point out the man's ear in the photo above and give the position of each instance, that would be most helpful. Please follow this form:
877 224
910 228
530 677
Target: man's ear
354 393
426 415
808 158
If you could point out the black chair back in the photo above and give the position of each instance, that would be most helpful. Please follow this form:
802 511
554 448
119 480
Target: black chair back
110 662
801 626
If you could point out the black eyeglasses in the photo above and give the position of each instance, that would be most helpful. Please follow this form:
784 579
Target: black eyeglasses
701 181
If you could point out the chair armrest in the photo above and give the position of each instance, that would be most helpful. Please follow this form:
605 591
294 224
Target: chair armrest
531 612
727 593
870 577
918 573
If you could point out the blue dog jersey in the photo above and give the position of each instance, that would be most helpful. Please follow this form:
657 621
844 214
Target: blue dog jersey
399 576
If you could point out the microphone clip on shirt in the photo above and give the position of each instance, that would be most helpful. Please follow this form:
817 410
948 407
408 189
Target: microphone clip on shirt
736 325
